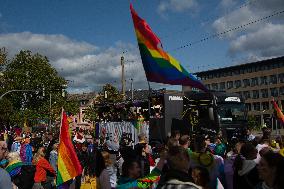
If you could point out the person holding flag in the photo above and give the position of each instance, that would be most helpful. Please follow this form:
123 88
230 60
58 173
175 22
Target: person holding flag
68 163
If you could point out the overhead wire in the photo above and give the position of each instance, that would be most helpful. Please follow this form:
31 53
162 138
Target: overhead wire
190 28
227 31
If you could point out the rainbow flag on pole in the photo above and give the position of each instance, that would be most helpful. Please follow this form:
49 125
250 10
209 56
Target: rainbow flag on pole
279 113
160 66
68 163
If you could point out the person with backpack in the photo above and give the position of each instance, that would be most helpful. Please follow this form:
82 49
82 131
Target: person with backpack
245 168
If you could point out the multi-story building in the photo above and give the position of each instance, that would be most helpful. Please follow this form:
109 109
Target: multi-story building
84 100
256 82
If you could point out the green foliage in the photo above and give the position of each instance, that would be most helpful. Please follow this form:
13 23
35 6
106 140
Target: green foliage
252 122
109 94
91 113
72 107
27 71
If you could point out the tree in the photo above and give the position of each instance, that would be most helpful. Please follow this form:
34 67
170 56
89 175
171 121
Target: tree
109 94
252 122
27 71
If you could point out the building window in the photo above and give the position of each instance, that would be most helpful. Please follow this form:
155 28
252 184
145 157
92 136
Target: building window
263 80
281 91
246 94
254 81
246 82
248 106
274 92
240 93
264 93
222 86
281 78
255 94
273 79
230 84
215 86
238 83
265 105
256 106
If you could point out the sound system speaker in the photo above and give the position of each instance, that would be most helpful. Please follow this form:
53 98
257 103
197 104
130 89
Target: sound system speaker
157 130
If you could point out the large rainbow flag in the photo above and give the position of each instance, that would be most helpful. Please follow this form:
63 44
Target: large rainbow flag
279 113
160 66
68 163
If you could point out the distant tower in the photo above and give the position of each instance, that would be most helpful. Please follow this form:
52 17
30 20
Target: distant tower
122 77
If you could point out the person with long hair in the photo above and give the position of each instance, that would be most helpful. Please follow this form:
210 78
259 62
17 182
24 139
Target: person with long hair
97 168
270 170
245 169
43 168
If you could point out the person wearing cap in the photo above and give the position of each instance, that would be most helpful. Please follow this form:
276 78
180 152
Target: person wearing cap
5 179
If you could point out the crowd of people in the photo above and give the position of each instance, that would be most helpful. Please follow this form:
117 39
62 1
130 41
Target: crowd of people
29 160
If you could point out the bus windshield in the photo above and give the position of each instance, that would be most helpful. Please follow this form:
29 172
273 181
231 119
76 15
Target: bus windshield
231 112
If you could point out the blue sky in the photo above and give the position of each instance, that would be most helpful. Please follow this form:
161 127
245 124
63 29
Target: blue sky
85 39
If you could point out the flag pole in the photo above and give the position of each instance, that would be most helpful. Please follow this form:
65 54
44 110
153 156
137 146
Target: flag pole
149 100
62 110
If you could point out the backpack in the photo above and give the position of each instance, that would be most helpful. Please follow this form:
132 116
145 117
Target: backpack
25 179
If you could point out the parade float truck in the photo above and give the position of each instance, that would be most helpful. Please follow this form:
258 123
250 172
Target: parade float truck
214 112
197 112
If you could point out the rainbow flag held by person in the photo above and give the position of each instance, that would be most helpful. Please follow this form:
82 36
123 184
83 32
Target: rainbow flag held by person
160 66
68 163
279 113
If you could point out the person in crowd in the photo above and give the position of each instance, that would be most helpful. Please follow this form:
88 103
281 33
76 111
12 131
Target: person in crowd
176 134
43 168
26 151
249 136
177 176
229 162
281 145
112 170
184 141
142 155
54 157
97 168
91 146
50 142
202 158
270 170
220 147
264 143
5 179
245 169
16 145
22 175
83 156
201 177
210 145
131 174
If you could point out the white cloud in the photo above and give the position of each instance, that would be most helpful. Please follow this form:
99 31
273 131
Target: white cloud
258 40
176 5
84 64
267 41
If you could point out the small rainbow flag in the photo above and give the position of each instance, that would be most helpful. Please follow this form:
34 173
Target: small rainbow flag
279 113
160 66
68 163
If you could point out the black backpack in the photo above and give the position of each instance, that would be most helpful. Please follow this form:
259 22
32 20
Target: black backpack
25 179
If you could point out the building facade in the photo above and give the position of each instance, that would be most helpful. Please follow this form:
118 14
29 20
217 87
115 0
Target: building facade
84 100
257 83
